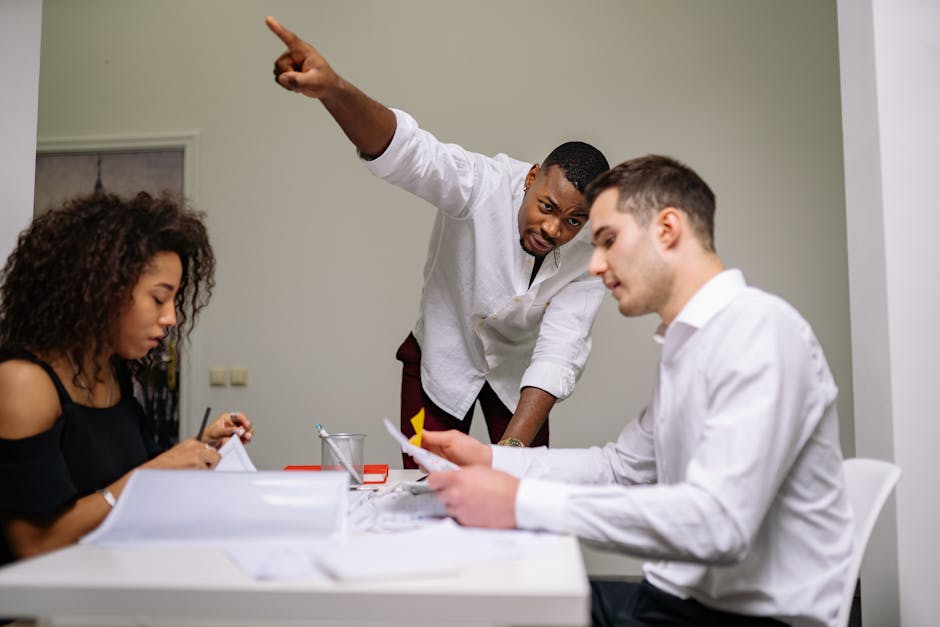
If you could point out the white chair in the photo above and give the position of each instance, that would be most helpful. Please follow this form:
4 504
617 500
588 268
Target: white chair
868 483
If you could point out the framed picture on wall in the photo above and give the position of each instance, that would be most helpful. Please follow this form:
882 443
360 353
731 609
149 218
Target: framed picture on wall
126 166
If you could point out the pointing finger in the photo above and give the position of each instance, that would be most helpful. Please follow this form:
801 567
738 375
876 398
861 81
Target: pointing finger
284 34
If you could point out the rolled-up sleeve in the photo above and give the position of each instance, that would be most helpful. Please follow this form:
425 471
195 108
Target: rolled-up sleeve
446 175
564 340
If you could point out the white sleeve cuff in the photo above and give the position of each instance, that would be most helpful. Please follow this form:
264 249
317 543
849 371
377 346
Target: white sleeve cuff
387 162
540 505
509 459
556 379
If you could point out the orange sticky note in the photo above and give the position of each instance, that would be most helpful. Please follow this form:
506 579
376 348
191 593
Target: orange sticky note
417 421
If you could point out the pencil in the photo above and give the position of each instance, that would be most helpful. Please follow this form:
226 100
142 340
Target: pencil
205 418
340 456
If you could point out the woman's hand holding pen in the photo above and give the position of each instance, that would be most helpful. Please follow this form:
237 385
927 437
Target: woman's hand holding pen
200 452
187 454
227 425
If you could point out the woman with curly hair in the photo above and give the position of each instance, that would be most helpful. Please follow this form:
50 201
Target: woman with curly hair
87 295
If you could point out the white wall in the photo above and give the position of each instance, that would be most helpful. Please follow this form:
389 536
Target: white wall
20 22
890 57
320 264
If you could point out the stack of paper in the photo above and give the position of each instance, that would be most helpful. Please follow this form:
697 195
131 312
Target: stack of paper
194 506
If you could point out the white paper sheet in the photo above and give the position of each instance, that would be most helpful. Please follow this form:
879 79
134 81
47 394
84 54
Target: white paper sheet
438 549
277 562
394 511
194 506
234 457
428 460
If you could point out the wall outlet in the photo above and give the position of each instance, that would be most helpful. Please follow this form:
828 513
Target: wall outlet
218 376
238 376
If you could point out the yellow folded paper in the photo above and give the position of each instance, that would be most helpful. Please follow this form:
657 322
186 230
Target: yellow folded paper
417 421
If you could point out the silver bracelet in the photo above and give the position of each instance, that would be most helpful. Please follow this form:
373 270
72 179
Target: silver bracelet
107 496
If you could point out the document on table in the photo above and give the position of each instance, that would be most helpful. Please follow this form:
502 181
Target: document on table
277 561
194 506
393 511
438 549
425 458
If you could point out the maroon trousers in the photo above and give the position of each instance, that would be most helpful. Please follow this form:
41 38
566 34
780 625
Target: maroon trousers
413 398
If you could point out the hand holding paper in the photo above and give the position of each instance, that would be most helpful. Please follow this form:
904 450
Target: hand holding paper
459 448
427 459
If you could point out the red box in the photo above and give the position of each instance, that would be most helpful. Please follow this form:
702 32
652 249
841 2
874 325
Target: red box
368 469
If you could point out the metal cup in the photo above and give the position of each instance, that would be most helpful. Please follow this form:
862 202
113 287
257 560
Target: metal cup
350 445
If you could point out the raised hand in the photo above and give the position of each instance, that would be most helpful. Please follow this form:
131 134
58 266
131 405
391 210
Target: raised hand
301 68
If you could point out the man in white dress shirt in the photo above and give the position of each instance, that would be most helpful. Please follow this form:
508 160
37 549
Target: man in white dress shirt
730 480
508 304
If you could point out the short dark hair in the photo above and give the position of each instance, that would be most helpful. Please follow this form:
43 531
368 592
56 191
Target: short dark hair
74 270
651 183
580 162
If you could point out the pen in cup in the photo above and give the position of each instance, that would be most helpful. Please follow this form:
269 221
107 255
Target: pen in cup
340 456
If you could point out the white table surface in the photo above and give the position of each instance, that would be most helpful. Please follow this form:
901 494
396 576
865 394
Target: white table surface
89 585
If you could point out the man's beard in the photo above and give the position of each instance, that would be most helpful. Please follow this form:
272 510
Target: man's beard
529 252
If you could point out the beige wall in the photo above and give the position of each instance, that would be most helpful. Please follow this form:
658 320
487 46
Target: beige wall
20 22
320 264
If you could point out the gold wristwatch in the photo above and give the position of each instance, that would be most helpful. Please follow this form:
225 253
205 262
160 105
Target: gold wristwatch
511 442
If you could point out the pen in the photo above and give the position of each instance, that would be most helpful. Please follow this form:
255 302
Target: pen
343 460
202 427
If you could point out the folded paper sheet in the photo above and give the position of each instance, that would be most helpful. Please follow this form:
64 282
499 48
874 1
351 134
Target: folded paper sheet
194 506
234 457
417 423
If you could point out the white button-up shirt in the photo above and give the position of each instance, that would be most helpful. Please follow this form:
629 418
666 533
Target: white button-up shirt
480 320
741 501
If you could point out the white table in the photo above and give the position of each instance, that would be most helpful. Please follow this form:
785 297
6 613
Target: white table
88 585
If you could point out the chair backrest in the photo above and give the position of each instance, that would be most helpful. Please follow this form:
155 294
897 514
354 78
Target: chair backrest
868 483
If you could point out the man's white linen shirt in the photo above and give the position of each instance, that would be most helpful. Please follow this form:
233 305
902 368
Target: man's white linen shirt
479 319
741 497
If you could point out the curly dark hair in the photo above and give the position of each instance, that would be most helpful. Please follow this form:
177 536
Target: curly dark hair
74 270
580 162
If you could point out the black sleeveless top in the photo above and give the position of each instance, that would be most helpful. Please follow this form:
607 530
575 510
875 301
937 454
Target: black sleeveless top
86 449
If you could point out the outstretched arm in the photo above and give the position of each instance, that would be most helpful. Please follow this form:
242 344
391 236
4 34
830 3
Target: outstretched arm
368 124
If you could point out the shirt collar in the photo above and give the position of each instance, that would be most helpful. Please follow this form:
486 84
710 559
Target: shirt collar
711 298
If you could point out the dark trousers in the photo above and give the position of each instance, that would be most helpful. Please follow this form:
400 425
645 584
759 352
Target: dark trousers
413 398
635 604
